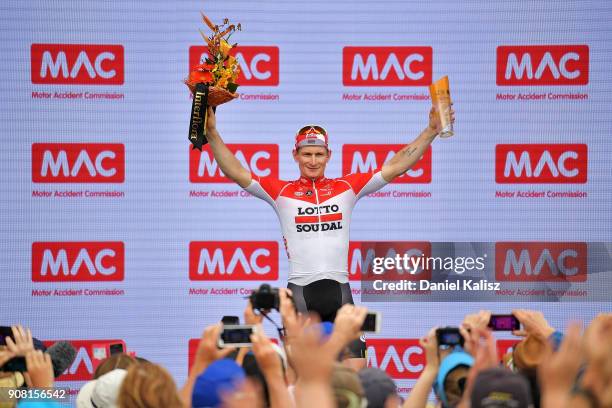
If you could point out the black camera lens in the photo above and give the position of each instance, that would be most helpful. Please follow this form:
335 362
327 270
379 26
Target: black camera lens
265 298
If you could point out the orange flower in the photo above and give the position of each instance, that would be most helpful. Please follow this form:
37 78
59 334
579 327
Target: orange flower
222 82
204 67
198 76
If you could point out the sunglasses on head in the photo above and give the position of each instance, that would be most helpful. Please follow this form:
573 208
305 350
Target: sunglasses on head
316 128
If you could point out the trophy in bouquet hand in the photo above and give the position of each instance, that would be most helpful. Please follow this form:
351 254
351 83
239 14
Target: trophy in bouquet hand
212 82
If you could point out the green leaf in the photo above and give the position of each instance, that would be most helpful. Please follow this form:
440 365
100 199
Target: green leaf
232 87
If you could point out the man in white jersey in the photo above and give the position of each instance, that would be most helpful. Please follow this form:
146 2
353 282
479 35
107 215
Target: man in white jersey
315 211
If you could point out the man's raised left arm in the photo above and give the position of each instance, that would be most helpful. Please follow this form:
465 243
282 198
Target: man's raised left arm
412 152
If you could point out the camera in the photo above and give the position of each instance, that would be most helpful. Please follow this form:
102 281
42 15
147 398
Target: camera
230 320
235 336
449 336
265 298
504 323
372 323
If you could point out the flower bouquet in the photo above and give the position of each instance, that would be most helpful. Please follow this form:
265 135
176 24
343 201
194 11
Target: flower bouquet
220 70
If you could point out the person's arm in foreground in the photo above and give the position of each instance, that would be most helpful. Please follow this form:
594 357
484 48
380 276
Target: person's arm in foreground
412 152
228 163
19 347
206 354
270 364
40 375
314 363
349 320
558 372
484 350
419 394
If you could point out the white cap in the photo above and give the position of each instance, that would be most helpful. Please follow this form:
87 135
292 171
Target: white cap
103 392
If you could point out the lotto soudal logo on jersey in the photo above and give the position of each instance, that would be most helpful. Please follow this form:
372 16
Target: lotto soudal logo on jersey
364 158
321 218
386 66
529 65
260 159
89 354
233 260
77 64
259 65
78 261
363 255
399 358
541 163
541 261
78 163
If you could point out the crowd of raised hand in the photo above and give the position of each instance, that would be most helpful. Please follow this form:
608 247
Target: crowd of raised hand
310 368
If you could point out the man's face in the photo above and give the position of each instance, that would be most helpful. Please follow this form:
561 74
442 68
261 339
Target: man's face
312 161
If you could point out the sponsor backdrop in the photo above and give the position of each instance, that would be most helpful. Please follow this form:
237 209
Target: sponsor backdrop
114 231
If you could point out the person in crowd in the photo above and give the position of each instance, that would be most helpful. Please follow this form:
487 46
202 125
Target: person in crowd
348 391
223 376
103 391
148 385
445 372
572 369
380 390
500 387
115 361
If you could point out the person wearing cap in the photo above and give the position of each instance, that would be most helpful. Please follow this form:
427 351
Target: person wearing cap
315 211
452 376
102 392
222 376
379 388
499 387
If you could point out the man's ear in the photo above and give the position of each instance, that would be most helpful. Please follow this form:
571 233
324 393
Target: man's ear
329 154
294 152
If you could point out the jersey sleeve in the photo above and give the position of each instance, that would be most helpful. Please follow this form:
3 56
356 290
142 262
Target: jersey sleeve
266 188
366 183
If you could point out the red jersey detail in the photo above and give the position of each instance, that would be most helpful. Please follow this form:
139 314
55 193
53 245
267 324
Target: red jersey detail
309 219
303 190
358 180
271 185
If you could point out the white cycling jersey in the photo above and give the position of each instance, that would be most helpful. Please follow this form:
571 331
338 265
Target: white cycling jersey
315 216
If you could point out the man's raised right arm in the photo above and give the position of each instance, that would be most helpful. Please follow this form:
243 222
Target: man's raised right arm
228 163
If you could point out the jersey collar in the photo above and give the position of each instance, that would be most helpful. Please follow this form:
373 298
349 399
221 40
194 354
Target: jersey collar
308 181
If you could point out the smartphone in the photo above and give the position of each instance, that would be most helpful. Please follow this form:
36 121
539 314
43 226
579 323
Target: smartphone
236 336
231 320
372 322
102 351
116 348
16 363
504 323
5 331
449 336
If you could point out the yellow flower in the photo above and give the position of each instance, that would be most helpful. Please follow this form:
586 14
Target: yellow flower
225 47
231 62
223 76
235 74
222 82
